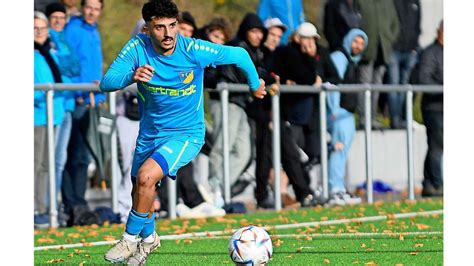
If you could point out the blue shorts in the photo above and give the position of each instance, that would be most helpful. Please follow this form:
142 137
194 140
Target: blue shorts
171 153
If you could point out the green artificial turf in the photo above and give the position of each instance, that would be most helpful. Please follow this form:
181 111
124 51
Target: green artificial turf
391 245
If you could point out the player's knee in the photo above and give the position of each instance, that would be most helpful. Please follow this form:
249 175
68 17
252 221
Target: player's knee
145 180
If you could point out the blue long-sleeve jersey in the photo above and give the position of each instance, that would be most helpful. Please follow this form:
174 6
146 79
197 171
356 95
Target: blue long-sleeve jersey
172 101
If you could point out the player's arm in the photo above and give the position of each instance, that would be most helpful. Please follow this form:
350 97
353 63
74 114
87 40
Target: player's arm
125 70
207 53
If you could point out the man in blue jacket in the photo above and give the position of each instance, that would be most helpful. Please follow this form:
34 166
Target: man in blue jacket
169 70
290 12
83 36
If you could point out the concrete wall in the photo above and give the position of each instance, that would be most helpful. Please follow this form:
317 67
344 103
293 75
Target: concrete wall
389 149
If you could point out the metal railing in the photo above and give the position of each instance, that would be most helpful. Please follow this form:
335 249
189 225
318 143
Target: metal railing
224 89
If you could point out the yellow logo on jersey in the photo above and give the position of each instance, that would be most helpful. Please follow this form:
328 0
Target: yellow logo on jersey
186 77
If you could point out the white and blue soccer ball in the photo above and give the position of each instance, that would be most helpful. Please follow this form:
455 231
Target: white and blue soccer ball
250 245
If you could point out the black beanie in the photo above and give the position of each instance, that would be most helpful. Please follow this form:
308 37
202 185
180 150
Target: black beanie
54 7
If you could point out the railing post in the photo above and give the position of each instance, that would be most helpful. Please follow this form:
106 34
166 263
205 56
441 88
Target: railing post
324 142
368 145
114 156
410 151
172 198
276 149
53 211
225 142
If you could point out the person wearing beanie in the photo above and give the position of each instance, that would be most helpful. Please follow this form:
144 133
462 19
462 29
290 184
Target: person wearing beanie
68 63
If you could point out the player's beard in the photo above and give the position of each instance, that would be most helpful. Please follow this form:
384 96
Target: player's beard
170 47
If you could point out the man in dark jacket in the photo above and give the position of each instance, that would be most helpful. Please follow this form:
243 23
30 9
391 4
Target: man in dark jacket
380 22
295 64
404 56
250 36
339 17
431 72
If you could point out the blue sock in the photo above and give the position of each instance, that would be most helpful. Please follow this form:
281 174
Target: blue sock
149 227
135 222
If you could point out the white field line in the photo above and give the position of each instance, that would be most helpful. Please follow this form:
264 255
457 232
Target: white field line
214 234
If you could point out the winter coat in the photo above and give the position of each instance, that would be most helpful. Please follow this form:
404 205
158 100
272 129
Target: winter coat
292 64
380 23
409 16
431 72
339 17
344 70
85 40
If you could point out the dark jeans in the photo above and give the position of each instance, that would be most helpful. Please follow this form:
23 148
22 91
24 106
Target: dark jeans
290 159
75 174
399 69
433 170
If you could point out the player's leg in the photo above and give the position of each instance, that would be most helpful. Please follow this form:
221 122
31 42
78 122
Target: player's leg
149 174
172 155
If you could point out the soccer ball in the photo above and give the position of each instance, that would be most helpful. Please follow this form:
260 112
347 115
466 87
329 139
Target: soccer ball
250 245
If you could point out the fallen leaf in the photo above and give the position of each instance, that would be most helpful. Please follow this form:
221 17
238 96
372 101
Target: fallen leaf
74 235
308 238
402 238
278 243
188 241
363 245
55 261
46 240
414 253
370 263
422 226
419 245
355 262
108 238
326 261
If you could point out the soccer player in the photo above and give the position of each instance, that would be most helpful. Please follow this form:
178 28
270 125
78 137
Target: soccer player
168 69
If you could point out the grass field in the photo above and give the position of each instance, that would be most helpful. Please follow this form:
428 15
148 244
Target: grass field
391 241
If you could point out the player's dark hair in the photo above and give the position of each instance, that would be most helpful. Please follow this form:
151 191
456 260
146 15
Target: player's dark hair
83 3
159 9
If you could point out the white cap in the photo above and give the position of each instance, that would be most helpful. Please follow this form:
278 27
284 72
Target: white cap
275 22
307 29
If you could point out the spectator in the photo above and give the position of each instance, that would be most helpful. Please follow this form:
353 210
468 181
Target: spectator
431 72
403 57
68 64
250 36
83 36
380 23
340 16
46 70
186 24
276 29
290 12
341 107
295 64
71 8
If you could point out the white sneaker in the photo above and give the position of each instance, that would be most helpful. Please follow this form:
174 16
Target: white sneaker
203 210
143 250
343 198
121 251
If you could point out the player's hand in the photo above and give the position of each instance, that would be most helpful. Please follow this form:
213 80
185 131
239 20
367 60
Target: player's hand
143 73
260 92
